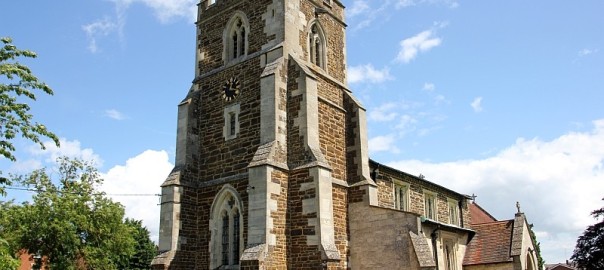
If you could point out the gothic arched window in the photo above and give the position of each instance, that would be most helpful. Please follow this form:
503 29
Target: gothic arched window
316 45
226 233
236 37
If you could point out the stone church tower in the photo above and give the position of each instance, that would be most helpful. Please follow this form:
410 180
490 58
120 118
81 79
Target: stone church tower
271 144
272 169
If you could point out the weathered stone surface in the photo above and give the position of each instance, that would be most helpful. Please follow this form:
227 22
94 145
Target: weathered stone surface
422 250
297 161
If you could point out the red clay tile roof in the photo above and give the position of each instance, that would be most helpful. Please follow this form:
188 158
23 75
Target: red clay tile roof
479 215
491 244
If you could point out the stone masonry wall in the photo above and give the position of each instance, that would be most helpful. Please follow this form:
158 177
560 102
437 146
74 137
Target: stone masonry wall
332 138
334 34
494 266
352 170
302 244
416 195
214 21
385 191
219 157
296 148
380 238
277 258
188 231
340 216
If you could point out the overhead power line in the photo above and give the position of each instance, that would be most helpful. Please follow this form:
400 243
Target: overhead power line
78 193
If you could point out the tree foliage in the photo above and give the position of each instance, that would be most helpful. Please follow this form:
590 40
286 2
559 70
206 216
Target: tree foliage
145 248
589 251
7 261
540 260
18 85
69 221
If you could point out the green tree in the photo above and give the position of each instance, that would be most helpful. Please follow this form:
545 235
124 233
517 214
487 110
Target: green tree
69 221
8 258
540 259
17 86
145 248
7 261
589 251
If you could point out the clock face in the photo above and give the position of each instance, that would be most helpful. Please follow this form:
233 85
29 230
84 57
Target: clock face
231 89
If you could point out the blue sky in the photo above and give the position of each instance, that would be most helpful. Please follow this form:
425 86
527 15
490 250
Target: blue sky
497 98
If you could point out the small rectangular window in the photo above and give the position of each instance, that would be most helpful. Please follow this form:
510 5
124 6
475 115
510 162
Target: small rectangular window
401 196
430 205
230 130
453 212
232 124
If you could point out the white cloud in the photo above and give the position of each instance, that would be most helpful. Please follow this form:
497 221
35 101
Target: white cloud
369 14
421 42
429 87
25 166
406 124
586 52
358 7
367 73
71 149
166 10
142 174
477 104
382 144
115 114
440 99
408 3
558 183
363 15
384 113
96 30
404 3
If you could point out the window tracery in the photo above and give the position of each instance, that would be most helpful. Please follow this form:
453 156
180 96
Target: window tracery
236 37
226 225
316 43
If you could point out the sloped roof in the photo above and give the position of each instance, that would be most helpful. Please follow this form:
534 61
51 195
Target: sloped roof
479 215
491 244
559 266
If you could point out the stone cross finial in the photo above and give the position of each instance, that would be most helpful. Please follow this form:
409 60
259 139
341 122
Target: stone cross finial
518 206
473 197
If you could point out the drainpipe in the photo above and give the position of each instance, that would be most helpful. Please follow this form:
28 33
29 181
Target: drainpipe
461 221
433 236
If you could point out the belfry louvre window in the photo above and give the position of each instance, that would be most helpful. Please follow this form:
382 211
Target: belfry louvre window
401 196
231 127
238 40
232 124
316 43
236 37
430 205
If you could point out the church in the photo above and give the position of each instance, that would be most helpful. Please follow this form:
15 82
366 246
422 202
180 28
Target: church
272 168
